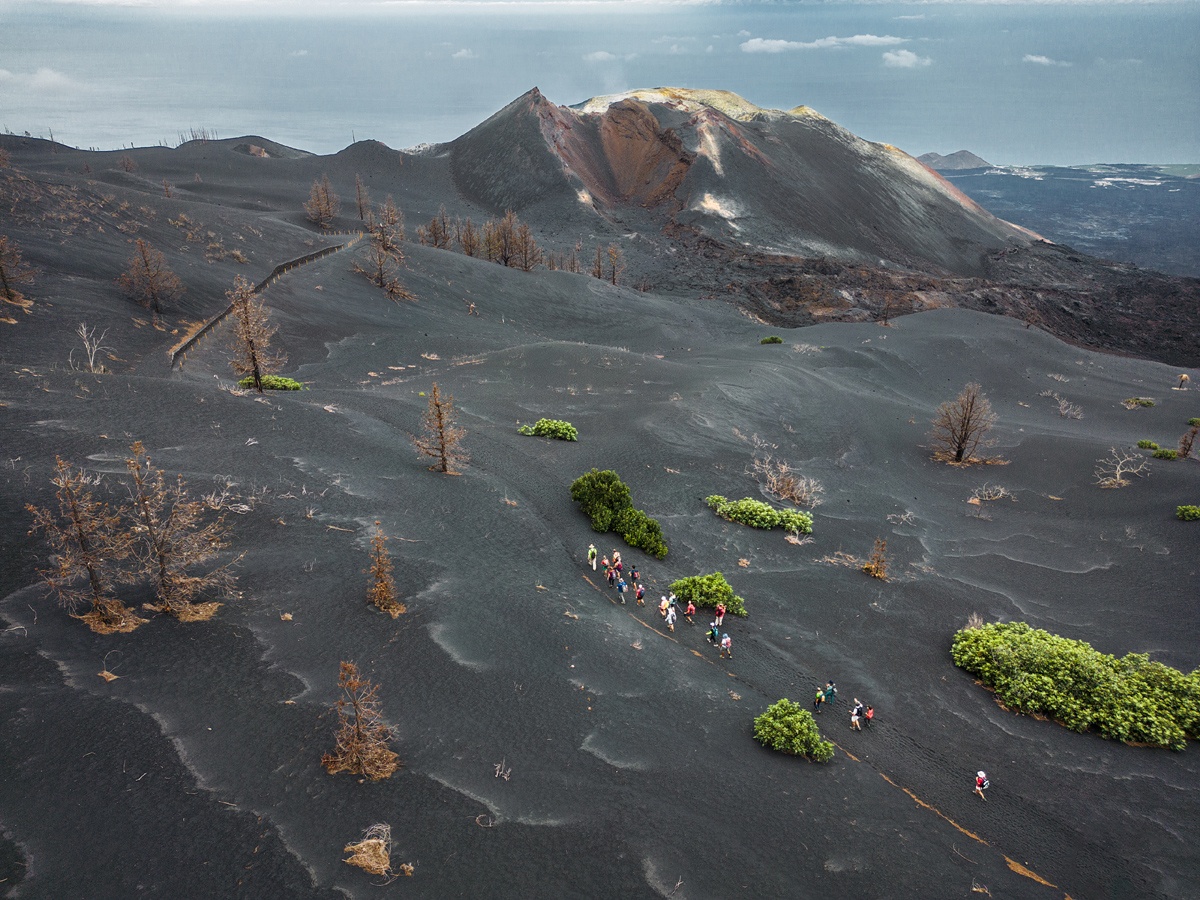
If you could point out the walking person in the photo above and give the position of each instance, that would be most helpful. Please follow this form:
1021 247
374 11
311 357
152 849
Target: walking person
671 618
635 577
726 646
663 606
720 613
622 587
819 700
981 783
640 595
592 556
617 564
856 716
604 562
870 716
713 634
689 612
612 577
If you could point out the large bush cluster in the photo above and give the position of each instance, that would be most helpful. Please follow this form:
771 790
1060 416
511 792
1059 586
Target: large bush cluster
1129 699
551 428
788 727
758 514
606 501
709 590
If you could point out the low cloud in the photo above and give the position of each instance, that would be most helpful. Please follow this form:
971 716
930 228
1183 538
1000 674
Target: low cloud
776 45
599 56
40 81
1038 60
905 59
464 53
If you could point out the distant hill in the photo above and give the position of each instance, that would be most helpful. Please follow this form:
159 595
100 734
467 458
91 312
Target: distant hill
788 182
963 159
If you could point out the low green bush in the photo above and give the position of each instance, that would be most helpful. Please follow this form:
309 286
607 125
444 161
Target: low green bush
641 531
788 727
709 590
273 383
1131 402
1194 422
1188 513
758 514
607 503
1147 445
1166 453
1130 699
551 428
773 339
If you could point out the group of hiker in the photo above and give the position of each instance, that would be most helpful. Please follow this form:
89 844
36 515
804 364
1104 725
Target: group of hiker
668 607
859 714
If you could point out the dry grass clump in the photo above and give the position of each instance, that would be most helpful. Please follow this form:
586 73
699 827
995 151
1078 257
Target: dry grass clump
988 493
373 853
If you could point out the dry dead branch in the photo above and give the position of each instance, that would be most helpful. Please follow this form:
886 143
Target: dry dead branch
989 492
961 426
781 481
442 436
373 852
1111 471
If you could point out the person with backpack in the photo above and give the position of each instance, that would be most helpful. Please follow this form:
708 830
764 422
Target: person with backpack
981 783
720 613
640 594
713 634
592 556
856 716
819 699
663 606
612 577
689 612
635 577
622 587
671 618
726 646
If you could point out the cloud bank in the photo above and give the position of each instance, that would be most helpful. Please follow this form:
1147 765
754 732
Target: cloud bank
775 45
1038 60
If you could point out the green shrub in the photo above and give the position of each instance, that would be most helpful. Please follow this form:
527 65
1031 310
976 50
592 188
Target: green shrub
1129 699
1147 445
1188 513
788 727
1194 422
758 514
273 383
1166 453
1132 402
709 590
606 501
641 531
773 339
551 428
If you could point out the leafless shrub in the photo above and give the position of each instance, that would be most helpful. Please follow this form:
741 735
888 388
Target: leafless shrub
12 273
173 541
86 540
805 349
382 590
1068 410
362 737
1187 440
502 770
323 204
1111 471
149 280
442 436
92 346
975 620
780 480
904 518
876 564
1057 377
127 164
961 426
990 492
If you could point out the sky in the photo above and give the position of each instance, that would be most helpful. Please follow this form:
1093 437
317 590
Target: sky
1018 83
